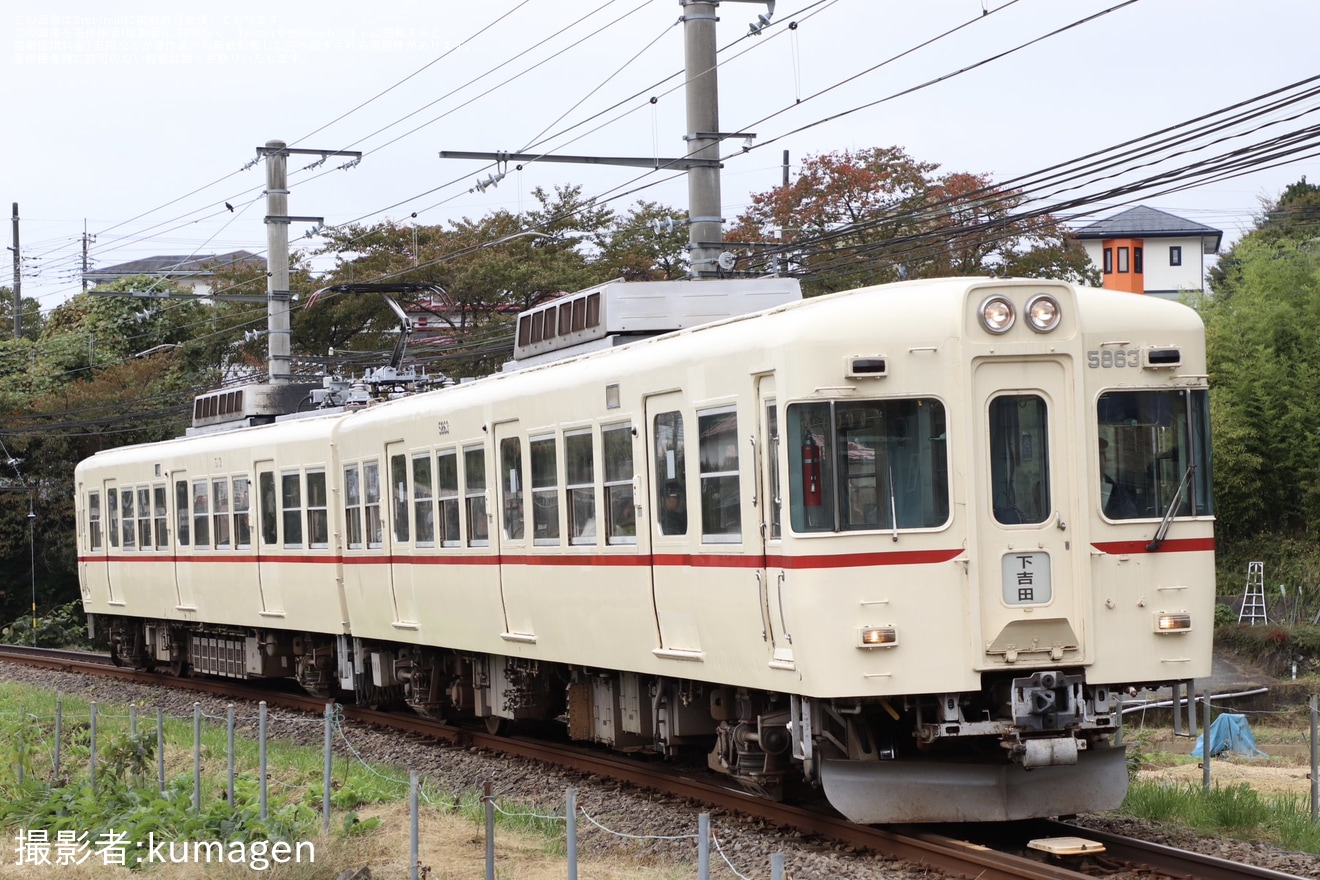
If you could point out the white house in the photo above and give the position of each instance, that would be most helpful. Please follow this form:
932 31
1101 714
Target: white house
195 273
1143 250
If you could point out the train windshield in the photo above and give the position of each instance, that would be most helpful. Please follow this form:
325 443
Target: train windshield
1154 451
878 464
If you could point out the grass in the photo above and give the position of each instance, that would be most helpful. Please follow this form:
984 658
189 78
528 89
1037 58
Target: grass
370 819
1234 810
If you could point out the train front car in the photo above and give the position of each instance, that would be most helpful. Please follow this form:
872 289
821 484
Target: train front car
1006 498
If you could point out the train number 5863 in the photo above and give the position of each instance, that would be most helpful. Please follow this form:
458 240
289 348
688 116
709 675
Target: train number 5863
1121 358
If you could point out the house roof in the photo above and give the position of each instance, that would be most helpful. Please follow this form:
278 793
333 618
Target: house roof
173 266
1144 222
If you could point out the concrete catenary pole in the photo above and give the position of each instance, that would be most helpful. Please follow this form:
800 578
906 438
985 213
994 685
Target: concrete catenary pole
277 261
18 281
705 229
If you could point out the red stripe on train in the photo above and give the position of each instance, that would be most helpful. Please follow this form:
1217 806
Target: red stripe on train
1180 545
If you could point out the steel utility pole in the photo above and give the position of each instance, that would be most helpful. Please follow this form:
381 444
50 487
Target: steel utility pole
86 239
702 157
278 339
18 281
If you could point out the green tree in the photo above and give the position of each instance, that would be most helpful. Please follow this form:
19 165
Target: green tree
31 310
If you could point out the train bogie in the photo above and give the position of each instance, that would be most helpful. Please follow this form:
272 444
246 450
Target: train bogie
880 542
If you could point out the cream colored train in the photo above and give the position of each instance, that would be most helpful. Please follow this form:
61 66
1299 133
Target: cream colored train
906 543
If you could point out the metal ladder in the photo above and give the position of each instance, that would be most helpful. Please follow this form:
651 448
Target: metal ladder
1253 600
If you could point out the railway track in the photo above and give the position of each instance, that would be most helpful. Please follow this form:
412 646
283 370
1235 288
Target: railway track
986 852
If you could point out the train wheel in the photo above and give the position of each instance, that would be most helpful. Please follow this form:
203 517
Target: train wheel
496 726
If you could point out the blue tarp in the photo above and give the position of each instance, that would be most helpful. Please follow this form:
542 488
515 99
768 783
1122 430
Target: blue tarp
1229 733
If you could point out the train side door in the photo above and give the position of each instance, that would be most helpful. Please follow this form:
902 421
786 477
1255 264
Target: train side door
110 541
510 534
767 497
185 555
673 531
398 534
266 543
1030 578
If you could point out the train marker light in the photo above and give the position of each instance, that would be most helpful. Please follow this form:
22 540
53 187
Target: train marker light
1173 623
997 314
878 637
1043 313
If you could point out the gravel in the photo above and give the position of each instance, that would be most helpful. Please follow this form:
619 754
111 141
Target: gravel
667 825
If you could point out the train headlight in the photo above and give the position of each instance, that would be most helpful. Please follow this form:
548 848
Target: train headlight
877 637
1043 313
1173 623
997 314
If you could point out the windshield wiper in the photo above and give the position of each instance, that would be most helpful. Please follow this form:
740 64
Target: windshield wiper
893 503
1163 530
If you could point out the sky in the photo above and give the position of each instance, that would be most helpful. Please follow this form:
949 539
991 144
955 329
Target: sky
135 122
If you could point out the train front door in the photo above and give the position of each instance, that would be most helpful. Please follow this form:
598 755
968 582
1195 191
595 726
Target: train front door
1029 567
676 596
767 497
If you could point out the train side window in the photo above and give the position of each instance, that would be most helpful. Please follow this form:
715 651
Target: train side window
580 483
318 514
545 491
94 520
399 496
353 506
620 506
423 501
446 493
291 508
371 505
269 502
474 481
201 509
182 505
242 513
811 467
112 503
670 474
220 512
511 487
162 515
721 503
130 521
144 517
1019 459
775 499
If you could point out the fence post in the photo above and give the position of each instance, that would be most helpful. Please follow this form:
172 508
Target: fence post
22 723
261 751
413 859
490 832
1315 760
91 761
59 723
197 757
571 834
1205 747
776 866
132 720
329 769
703 847
160 748
229 736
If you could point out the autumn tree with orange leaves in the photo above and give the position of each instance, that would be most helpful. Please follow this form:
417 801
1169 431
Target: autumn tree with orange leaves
872 216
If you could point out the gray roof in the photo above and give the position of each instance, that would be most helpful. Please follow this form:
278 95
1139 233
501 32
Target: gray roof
173 266
1144 222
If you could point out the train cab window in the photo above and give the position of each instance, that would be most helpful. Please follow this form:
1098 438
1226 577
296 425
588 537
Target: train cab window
423 501
162 516
1154 454
474 482
353 507
144 517
511 487
130 521
318 518
182 514
1019 459
375 526
291 509
94 520
242 513
580 483
721 503
399 496
112 505
858 465
446 495
201 509
545 491
620 506
268 500
670 474
220 512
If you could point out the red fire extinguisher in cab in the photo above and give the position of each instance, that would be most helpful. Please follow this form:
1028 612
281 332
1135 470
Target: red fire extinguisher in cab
811 473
